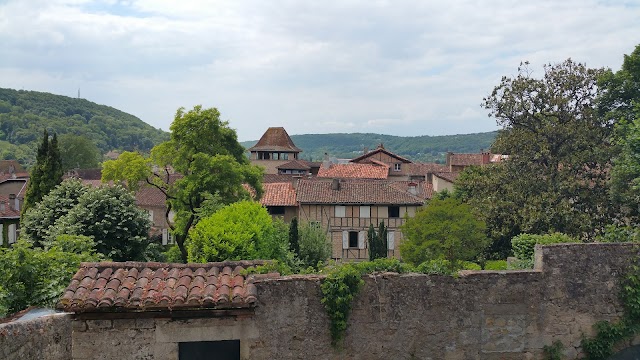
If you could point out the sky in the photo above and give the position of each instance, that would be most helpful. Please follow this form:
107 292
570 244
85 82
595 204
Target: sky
403 67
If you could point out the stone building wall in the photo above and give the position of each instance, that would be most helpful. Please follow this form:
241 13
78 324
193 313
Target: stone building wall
478 315
44 338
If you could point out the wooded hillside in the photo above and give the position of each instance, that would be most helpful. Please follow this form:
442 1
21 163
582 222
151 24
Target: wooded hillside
418 148
25 114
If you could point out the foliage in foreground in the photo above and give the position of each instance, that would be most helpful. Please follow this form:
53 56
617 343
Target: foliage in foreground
524 245
32 276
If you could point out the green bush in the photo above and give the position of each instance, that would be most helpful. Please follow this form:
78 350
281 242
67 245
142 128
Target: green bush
444 267
523 245
495 265
613 233
314 245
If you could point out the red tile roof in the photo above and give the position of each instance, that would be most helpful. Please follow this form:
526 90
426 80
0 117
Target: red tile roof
378 150
149 195
353 192
425 168
449 176
422 190
465 159
277 178
276 139
278 194
136 286
352 170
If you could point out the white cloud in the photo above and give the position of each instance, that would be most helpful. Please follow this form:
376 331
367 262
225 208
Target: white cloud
403 67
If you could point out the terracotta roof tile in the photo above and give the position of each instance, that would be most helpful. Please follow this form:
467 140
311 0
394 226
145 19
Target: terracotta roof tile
354 170
134 286
422 189
278 194
150 196
425 168
380 149
277 178
277 139
353 192
449 176
7 209
465 159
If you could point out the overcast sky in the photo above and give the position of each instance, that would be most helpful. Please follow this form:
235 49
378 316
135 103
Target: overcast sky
400 67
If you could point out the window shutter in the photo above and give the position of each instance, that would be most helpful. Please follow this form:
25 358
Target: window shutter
361 236
345 240
12 234
391 240
340 211
1 234
165 236
365 212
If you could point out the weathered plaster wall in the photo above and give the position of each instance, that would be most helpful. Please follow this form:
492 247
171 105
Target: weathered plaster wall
479 315
45 338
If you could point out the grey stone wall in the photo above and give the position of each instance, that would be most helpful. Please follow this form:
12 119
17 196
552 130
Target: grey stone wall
478 315
44 338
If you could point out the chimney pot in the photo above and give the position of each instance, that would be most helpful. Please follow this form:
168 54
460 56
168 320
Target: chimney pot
335 184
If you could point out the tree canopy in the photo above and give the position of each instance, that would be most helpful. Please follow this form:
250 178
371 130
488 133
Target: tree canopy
443 229
210 165
78 152
46 173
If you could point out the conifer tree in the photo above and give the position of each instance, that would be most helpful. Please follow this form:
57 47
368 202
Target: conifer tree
46 173
294 238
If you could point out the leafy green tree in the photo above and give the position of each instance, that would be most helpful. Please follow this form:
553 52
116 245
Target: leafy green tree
36 276
108 215
38 222
559 147
294 238
78 152
46 173
205 152
240 231
315 246
443 229
127 170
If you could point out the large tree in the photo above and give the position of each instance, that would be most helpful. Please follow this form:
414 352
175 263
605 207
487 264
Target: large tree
209 163
78 152
443 229
559 151
46 173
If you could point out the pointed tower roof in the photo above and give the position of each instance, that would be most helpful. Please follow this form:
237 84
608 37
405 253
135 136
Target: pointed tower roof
275 139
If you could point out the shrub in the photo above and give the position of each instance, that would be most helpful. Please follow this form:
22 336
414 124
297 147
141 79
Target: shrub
524 244
314 245
495 265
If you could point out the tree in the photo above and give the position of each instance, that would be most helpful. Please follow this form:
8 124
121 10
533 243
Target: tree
209 162
315 246
555 179
377 242
35 276
127 170
240 231
78 152
108 215
294 243
46 173
443 229
620 101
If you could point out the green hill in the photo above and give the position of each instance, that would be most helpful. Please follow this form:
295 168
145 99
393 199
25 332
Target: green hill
417 148
25 114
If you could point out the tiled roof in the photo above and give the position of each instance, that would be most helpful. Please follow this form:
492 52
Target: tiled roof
277 178
10 166
423 189
378 150
449 176
465 159
136 286
7 209
352 170
278 194
425 168
277 139
353 192
295 165
149 195
85 174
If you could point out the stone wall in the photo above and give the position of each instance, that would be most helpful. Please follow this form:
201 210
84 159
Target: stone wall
478 315
44 338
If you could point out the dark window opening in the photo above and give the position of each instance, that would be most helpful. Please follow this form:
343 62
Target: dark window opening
276 210
206 350
394 211
353 239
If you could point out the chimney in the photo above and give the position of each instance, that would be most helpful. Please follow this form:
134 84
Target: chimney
12 201
429 178
449 153
295 180
335 184
413 188
486 156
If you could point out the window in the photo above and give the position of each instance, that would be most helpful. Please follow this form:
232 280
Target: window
365 212
394 211
201 350
340 211
396 166
150 212
167 237
275 210
11 233
284 156
353 239
391 240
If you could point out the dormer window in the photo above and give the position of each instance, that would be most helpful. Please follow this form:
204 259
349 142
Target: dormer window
397 166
